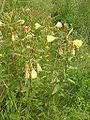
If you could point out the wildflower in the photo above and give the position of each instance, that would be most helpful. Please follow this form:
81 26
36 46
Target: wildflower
39 67
37 25
26 29
26 71
77 43
60 51
50 38
33 74
59 25
20 22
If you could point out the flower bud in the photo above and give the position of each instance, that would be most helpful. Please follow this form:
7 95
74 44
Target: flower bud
26 71
20 22
33 74
60 51
26 29
39 67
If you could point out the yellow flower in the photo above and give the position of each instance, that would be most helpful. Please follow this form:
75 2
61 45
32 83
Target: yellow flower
77 43
50 38
37 25
39 69
33 74
59 25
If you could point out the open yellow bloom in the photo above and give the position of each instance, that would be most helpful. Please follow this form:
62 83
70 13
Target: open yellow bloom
50 38
59 25
37 25
77 43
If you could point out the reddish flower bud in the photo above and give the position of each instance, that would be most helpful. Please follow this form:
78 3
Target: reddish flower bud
60 50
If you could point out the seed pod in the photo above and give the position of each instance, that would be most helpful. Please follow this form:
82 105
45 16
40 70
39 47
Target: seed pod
20 22
26 69
60 50
26 29
13 40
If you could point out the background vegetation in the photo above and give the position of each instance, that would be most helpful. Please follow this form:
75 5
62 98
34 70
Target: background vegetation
61 90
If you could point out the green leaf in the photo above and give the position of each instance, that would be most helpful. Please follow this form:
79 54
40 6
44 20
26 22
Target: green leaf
71 81
72 68
56 89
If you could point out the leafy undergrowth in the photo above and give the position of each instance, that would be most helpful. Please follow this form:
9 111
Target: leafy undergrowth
44 66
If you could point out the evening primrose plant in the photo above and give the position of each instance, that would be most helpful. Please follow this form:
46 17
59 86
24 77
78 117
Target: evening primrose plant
44 73
28 43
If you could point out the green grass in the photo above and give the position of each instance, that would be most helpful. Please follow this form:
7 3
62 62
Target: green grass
61 90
